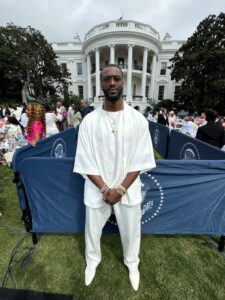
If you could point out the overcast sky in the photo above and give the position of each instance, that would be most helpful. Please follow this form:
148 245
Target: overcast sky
60 20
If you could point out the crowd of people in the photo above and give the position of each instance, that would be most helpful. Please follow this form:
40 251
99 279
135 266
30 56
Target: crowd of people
208 127
33 122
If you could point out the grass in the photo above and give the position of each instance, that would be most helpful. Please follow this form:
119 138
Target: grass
172 267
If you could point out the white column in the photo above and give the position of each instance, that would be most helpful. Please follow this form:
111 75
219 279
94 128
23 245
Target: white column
153 69
129 73
89 76
112 54
144 70
97 73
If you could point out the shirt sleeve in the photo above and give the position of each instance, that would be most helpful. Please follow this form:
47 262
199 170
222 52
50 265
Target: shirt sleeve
143 156
85 164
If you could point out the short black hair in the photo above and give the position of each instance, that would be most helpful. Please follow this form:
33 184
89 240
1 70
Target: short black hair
111 66
13 120
47 107
211 115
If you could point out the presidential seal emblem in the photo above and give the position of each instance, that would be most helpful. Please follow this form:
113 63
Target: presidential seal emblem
189 152
152 199
59 149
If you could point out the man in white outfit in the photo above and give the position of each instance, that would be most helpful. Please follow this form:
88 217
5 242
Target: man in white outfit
114 146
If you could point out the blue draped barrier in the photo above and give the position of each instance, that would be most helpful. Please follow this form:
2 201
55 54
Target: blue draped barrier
59 145
183 195
62 144
184 147
160 138
178 197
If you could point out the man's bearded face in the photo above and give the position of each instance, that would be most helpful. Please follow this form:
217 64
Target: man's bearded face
112 84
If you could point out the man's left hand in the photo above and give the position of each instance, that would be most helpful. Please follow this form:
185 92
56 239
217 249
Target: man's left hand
112 196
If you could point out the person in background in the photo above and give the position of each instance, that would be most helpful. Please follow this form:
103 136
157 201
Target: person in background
172 118
17 112
13 120
74 116
163 117
221 122
189 127
50 119
24 117
61 116
203 120
36 127
70 114
211 133
5 111
85 108
137 108
147 112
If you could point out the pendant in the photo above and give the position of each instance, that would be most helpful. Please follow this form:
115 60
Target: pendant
113 131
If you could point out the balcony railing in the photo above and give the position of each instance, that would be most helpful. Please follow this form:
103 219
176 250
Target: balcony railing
124 67
122 25
134 98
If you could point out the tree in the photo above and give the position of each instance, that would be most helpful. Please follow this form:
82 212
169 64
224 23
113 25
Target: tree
28 60
200 65
166 103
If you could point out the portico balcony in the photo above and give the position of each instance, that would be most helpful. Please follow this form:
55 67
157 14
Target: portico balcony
124 67
122 26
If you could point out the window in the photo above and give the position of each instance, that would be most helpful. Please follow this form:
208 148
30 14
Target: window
135 67
106 62
121 24
121 62
139 26
161 92
163 68
146 90
93 68
94 91
81 91
79 69
134 90
176 92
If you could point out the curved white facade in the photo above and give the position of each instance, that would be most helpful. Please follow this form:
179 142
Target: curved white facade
136 47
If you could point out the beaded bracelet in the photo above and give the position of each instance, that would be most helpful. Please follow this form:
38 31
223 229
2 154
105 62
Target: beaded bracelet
121 190
104 189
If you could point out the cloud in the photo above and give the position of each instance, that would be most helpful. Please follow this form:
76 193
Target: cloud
60 20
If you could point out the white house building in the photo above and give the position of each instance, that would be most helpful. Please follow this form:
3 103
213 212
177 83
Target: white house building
136 47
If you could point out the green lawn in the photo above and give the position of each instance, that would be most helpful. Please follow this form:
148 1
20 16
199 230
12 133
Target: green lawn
172 267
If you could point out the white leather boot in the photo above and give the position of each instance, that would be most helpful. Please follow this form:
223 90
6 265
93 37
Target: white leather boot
89 275
134 276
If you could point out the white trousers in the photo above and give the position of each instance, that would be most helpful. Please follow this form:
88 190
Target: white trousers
129 222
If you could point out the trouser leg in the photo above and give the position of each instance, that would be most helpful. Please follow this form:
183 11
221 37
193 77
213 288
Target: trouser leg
129 222
95 221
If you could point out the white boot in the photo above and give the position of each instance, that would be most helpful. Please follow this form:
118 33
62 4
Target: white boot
134 276
89 275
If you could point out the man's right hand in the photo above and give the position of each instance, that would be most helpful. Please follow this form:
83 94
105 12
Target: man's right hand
112 196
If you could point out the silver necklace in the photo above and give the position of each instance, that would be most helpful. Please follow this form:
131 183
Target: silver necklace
113 121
